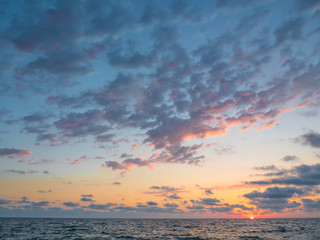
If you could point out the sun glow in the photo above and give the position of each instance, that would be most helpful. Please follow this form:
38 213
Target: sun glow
251 217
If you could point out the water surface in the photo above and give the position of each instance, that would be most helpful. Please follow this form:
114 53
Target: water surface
55 228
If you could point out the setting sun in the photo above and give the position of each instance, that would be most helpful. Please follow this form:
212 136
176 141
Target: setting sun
251 217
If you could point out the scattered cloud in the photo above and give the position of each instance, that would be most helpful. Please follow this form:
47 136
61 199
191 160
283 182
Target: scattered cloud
312 139
302 175
290 158
275 199
76 161
14 152
71 204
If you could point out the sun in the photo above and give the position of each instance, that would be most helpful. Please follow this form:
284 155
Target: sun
252 217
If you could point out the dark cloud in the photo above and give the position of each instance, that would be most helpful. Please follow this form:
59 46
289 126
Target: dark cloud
86 199
311 205
125 155
87 195
101 206
134 60
60 62
14 152
150 203
82 124
105 138
4 201
40 204
71 204
275 192
312 139
305 5
165 188
114 19
171 205
24 200
36 117
116 183
16 171
266 168
290 158
167 92
208 201
290 30
174 196
42 191
302 175
208 192
275 199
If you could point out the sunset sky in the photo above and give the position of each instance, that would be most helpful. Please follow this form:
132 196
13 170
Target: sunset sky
160 108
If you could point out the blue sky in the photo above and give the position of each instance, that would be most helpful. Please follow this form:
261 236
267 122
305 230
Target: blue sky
160 109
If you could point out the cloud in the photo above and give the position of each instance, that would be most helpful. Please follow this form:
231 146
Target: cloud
208 201
290 158
305 5
125 155
173 196
208 192
40 162
266 168
116 183
171 205
105 138
275 199
165 188
71 204
42 191
87 195
170 93
76 161
82 124
101 206
302 175
150 203
16 171
311 205
126 165
274 192
267 125
290 30
312 139
4 201
40 204
84 199
23 172
14 152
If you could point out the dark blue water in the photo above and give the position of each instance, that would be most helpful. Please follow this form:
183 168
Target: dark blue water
39 228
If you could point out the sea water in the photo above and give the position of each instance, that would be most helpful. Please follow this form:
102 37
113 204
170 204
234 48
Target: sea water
54 228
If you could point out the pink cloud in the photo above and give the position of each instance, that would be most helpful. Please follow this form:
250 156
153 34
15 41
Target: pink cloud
76 161
134 146
267 125
14 152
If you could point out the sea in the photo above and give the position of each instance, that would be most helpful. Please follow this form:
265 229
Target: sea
78 229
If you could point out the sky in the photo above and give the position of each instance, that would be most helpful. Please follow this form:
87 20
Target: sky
160 109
